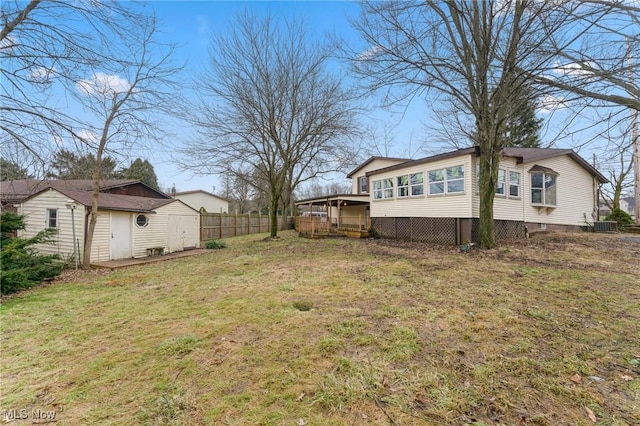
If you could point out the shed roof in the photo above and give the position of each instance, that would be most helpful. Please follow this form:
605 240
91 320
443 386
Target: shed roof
18 190
108 201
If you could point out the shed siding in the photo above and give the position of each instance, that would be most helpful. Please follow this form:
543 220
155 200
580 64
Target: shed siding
575 194
198 200
374 165
454 205
155 234
101 245
35 212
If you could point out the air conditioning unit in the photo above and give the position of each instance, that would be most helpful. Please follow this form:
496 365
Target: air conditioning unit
605 226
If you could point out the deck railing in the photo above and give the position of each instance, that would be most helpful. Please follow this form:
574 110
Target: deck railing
324 225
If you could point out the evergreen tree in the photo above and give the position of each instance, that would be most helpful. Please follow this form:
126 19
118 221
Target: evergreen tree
522 128
67 165
21 266
141 170
12 171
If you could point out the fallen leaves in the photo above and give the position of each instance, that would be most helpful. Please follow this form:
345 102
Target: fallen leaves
591 414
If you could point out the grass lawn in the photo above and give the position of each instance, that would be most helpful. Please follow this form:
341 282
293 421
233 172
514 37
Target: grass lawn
336 331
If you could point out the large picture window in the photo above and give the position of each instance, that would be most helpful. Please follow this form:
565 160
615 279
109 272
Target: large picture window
383 189
446 181
543 189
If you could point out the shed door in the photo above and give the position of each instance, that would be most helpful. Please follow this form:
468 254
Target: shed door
183 232
120 235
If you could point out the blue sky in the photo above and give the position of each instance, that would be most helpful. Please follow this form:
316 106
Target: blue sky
190 24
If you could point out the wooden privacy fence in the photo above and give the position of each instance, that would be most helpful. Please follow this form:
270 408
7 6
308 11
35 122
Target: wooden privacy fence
214 226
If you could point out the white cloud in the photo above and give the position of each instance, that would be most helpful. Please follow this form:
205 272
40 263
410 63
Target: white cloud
41 74
87 136
550 103
104 84
574 69
369 53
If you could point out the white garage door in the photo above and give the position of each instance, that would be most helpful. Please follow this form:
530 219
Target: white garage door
183 232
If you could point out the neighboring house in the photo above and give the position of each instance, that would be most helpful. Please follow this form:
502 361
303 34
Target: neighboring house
437 198
203 201
128 225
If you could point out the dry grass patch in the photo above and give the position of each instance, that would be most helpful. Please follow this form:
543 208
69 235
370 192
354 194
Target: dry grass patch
540 332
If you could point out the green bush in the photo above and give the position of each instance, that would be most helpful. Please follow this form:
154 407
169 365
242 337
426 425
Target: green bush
215 244
21 267
620 216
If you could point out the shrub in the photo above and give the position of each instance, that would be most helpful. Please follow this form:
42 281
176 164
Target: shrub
215 244
21 267
620 216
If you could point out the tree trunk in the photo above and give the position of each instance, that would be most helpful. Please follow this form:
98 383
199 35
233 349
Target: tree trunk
273 213
489 164
93 219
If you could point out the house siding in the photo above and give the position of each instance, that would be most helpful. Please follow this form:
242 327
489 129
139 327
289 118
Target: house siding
504 207
374 165
575 194
35 212
450 205
198 200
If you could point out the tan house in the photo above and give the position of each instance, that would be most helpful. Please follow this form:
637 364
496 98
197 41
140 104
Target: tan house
203 201
437 199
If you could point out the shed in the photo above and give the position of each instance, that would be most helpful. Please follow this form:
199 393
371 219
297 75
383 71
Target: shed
128 226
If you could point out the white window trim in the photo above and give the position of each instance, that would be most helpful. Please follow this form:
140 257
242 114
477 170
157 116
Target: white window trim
406 186
507 183
383 189
543 189
48 219
446 181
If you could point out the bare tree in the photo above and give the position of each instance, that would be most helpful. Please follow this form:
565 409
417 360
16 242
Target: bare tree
468 52
125 99
270 105
480 55
46 47
618 162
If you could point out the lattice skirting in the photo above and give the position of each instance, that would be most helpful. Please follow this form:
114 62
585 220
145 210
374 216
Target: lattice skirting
441 230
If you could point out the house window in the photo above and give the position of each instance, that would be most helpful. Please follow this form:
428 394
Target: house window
403 186
446 181
383 189
500 186
52 218
514 184
387 185
543 189
363 185
142 221
417 184
377 190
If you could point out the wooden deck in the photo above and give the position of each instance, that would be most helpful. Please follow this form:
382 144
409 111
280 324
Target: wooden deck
322 227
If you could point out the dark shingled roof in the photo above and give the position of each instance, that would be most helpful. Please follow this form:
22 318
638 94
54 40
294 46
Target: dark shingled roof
523 155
